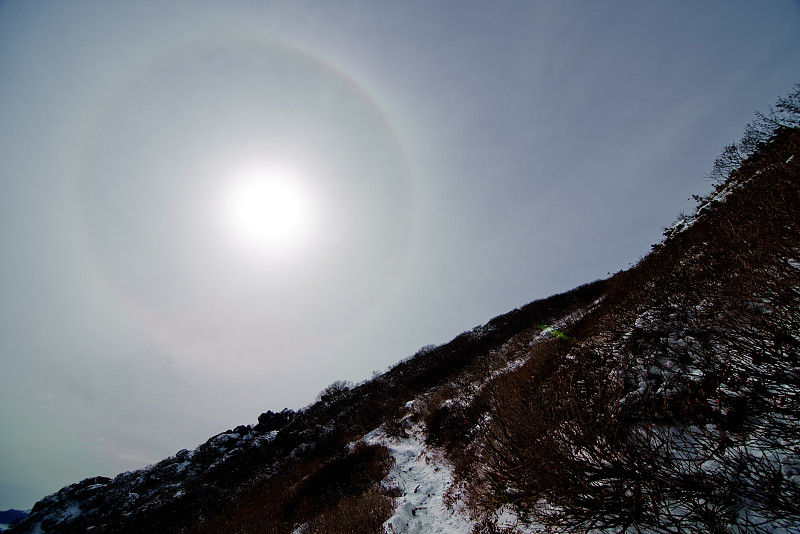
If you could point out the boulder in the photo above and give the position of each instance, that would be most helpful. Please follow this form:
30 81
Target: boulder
270 420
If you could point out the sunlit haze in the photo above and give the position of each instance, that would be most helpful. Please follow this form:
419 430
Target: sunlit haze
214 209
269 211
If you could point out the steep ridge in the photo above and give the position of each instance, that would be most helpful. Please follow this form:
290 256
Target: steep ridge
664 399
248 461
673 406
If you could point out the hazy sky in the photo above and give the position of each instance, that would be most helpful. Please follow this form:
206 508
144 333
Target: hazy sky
213 209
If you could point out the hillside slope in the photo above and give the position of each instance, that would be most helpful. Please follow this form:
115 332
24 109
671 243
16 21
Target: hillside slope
664 399
674 405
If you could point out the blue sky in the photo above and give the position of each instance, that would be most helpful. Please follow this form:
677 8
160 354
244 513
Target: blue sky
427 166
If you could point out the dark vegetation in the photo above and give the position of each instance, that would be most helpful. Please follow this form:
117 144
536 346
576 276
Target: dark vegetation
676 406
664 399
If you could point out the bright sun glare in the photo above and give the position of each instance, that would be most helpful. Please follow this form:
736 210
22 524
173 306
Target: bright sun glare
268 210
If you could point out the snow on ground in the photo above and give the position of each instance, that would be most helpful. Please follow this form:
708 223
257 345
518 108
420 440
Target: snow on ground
425 478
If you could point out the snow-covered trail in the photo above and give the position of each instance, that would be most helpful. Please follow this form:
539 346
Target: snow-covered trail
424 478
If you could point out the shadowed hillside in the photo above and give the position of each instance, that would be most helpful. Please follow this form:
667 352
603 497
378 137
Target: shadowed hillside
664 399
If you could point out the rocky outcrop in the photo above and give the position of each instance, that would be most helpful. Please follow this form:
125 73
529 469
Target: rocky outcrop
269 420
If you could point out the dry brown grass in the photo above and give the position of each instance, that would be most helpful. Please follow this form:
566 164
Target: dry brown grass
574 428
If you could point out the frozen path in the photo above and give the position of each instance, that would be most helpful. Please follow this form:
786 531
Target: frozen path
424 477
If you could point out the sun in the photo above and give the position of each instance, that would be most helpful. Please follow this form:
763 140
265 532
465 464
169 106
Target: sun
268 210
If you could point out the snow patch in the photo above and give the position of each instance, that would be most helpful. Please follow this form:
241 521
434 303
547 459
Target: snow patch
425 479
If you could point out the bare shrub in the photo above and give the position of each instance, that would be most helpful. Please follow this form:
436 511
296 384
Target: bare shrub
680 407
362 514
335 391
